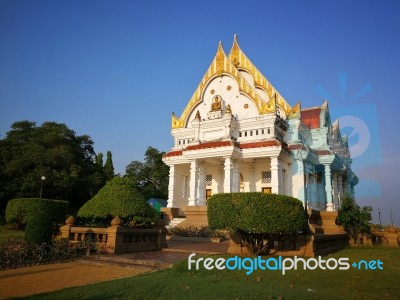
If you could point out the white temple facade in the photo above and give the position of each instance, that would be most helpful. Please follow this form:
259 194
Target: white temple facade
238 134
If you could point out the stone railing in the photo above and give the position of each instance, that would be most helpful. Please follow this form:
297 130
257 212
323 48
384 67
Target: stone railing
115 239
390 236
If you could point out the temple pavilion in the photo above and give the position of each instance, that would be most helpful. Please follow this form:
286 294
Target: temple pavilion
239 134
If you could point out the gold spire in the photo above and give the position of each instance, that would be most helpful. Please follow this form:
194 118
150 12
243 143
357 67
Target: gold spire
234 55
241 61
228 109
220 59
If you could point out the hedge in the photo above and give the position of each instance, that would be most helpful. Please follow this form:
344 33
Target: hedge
256 212
22 209
256 216
39 228
119 198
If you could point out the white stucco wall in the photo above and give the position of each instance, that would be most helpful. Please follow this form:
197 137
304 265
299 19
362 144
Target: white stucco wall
242 107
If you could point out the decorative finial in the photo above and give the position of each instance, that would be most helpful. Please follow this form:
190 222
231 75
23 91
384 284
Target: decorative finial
234 55
235 39
228 109
116 222
197 117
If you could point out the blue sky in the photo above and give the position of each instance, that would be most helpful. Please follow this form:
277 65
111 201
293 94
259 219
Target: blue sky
116 70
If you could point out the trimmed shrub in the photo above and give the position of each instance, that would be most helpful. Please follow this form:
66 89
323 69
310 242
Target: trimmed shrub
21 210
119 198
256 216
39 229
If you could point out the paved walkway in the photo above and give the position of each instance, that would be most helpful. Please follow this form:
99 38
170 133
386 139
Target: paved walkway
47 278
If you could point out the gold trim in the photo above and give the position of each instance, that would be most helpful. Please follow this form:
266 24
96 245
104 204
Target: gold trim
223 64
220 65
238 58
295 112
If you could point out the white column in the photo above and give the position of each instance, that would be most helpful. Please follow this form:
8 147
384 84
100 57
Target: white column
298 184
193 183
311 190
340 185
228 174
335 191
347 187
275 175
202 186
171 187
235 177
252 181
328 188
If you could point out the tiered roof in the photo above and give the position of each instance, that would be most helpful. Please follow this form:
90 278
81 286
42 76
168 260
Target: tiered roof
232 65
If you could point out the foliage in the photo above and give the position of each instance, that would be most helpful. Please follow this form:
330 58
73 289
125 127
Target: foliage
150 177
256 216
355 219
17 252
39 228
191 231
20 210
109 167
119 198
67 161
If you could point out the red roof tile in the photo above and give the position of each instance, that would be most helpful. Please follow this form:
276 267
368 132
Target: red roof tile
323 152
296 147
259 144
210 145
173 153
310 117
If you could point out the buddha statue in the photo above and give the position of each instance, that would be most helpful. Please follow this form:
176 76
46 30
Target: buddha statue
216 103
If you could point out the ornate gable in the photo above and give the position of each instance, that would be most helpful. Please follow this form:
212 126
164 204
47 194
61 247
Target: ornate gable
232 66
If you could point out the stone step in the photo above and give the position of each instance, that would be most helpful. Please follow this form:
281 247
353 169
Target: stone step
176 221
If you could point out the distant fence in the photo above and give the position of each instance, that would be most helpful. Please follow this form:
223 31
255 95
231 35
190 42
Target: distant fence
115 239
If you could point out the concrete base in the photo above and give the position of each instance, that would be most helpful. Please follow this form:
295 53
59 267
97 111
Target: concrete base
169 213
196 216
308 245
323 222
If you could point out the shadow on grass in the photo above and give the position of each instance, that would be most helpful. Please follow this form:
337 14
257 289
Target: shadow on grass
181 283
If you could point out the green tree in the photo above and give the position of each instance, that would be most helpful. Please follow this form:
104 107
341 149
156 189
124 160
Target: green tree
109 167
67 161
119 198
151 176
355 219
257 217
99 161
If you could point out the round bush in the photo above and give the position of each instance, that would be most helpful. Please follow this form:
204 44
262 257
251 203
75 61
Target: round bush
257 212
119 198
256 217
39 228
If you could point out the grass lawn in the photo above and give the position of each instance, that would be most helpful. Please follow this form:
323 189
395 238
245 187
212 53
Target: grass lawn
180 283
7 231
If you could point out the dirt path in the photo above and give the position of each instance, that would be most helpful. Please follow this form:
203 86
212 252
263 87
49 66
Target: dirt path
47 278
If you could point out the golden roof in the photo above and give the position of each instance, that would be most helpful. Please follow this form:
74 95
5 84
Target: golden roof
231 64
